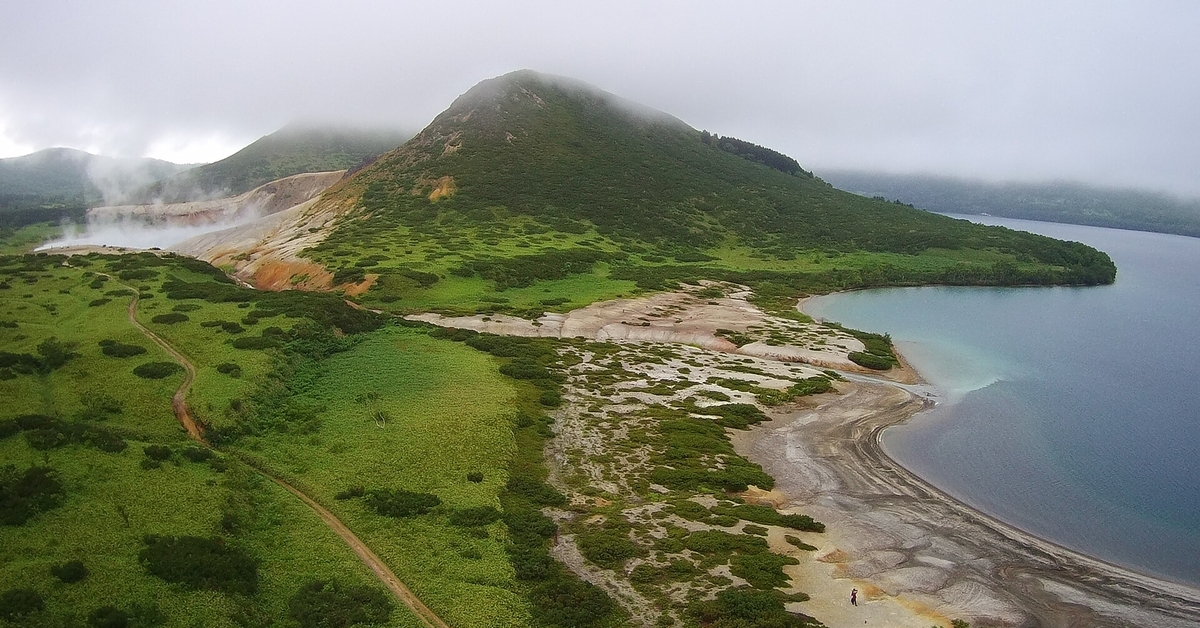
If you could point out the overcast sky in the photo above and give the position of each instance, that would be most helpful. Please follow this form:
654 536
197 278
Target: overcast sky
1104 92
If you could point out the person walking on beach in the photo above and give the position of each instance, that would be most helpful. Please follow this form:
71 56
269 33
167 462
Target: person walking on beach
854 597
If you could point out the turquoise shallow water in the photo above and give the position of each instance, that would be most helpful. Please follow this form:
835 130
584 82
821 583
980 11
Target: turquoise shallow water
1073 413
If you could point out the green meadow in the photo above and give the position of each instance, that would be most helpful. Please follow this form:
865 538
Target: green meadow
385 408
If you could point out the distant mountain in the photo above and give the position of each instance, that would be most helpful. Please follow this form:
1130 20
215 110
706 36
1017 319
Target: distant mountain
529 178
1074 203
55 182
294 149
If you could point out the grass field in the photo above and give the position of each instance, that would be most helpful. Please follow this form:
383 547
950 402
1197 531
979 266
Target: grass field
404 411
113 499
27 237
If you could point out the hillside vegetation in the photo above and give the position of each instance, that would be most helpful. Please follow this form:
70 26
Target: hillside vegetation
528 182
294 149
409 439
1073 203
58 183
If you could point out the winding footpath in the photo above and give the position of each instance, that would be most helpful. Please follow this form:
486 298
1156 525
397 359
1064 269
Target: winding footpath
194 430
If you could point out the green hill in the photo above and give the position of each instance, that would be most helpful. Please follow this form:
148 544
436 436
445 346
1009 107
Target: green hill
58 182
532 189
294 149
1058 201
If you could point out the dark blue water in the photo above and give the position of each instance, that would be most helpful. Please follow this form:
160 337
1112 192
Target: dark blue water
1073 413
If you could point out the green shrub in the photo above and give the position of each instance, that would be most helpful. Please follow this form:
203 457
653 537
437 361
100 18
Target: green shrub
736 415
25 494
397 503
753 529
170 318
200 563
18 603
569 602
747 608
98 406
35 421
231 369
351 493
157 452
798 543
473 476
99 302
328 604
109 617
70 572
524 369
607 548
535 491
474 517
762 571
186 307
157 370
550 398
870 360
769 516
198 454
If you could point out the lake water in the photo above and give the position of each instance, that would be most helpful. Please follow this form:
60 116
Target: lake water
1072 413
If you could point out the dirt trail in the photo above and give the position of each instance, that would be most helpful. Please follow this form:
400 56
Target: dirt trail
369 558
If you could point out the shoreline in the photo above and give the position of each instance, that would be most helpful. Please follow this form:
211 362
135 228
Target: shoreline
900 538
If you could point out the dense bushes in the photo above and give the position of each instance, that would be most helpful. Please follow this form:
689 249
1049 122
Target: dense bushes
748 608
609 548
157 452
327 310
170 318
44 432
70 572
328 604
878 354
54 354
18 603
523 270
108 617
769 516
47 432
684 465
114 349
200 563
397 503
231 369
24 494
570 602
762 571
157 370
870 360
735 415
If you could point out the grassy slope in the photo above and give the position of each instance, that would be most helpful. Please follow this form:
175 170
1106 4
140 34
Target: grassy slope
182 497
1073 203
58 177
291 150
449 413
523 167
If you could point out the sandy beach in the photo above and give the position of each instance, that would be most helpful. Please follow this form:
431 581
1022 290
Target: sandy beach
917 556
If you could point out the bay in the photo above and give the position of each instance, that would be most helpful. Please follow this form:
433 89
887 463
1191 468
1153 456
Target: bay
1072 413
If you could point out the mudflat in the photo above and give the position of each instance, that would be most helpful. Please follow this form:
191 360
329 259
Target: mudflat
917 555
